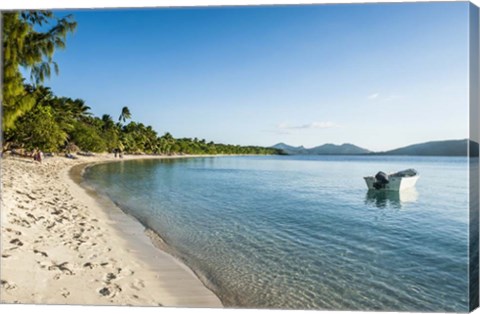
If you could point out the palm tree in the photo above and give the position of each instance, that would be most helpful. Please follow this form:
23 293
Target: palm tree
107 122
125 114
25 46
80 109
167 136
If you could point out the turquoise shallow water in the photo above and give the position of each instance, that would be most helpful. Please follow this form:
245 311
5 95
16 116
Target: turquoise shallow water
303 232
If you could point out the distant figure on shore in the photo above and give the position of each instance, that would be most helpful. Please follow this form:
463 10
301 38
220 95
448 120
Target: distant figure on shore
37 155
115 151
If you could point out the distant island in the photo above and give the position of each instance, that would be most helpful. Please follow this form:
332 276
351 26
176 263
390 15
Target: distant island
326 149
434 148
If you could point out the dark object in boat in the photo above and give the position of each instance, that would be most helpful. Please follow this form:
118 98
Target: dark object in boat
382 177
381 180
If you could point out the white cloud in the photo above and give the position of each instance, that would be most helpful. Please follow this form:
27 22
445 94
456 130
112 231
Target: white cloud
373 96
313 125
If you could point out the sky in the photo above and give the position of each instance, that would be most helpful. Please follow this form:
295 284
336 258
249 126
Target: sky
379 76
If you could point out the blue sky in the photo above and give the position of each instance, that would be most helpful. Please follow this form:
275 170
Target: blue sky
377 75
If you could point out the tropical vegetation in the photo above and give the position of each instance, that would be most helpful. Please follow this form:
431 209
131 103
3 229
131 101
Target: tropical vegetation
34 117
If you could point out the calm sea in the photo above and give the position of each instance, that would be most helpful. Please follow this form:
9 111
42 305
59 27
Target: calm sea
303 232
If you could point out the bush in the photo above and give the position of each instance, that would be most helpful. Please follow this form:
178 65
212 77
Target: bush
87 138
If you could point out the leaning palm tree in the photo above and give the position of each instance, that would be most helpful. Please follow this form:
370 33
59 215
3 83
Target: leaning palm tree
125 114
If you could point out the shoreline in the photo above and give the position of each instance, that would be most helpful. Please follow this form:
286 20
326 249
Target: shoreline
62 254
76 174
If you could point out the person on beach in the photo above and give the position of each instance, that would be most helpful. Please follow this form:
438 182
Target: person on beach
115 150
37 155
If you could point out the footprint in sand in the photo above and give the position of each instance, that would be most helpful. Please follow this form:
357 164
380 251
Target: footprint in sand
7 285
104 291
35 219
137 284
14 231
21 222
110 291
40 252
125 272
65 293
56 212
61 267
109 277
16 242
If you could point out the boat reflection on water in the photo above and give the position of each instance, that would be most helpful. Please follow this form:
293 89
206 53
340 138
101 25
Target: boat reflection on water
392 199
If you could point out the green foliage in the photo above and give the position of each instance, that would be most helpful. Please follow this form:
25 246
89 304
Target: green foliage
24 46
39 128
87 138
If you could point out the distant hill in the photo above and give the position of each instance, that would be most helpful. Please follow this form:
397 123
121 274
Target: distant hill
291 150
332 149
436 148
326 149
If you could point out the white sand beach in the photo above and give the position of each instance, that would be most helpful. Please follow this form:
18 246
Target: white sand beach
62 245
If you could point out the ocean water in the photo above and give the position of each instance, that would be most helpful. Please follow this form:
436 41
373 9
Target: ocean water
303 232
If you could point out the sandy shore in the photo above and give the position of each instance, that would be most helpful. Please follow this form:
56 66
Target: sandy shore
62 245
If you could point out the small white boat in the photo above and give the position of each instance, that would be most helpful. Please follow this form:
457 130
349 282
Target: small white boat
393 182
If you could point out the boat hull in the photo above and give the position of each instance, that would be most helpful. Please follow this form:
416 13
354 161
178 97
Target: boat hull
394 184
